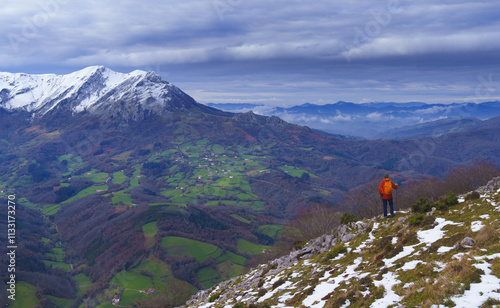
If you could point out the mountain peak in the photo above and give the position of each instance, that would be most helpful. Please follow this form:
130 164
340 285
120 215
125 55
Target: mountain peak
94 89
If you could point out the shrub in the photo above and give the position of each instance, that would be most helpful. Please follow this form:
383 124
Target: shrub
410 238
415 220
278 283
473 195
262 292
490 302
214 297
380 275
336 251
451 199
347 218
422 206
428 221
384 242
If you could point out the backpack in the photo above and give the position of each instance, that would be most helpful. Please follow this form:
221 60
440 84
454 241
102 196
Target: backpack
388 188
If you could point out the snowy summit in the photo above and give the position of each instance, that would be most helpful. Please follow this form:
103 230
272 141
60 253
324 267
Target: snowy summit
95 89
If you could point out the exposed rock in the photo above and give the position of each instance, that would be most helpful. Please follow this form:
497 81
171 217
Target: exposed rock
347 237
465 243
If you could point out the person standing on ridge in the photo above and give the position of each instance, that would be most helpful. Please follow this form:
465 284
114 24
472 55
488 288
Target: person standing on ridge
385 190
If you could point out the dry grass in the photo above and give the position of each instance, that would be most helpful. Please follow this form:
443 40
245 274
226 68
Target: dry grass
495 267
455 278
488 235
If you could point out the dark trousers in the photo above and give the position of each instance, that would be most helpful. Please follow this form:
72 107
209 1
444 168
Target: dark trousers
391 204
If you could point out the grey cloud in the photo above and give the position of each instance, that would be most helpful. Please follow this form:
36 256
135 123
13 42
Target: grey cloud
319 52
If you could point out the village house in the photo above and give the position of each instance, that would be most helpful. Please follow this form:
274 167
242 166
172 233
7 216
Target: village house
116 300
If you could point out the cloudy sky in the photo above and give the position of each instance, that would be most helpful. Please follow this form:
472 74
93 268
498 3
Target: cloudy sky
274 52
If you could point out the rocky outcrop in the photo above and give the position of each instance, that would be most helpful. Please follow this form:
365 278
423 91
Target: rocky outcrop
320 245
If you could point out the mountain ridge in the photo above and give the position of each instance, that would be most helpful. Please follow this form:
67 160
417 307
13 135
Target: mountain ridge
371 120
364 263
95 90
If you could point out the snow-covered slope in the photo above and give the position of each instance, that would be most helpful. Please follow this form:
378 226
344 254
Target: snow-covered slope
447 258
96 89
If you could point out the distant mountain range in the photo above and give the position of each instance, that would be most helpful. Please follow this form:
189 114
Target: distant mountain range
377 120
125 182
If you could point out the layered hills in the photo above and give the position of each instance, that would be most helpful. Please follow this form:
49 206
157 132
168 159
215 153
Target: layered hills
381 120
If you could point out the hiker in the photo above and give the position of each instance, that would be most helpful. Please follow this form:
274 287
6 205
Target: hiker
385 190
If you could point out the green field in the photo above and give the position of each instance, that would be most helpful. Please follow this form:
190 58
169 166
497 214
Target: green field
49 210
149 230
87 191
243 220
25 296
162 275
208 277
130 297
134 281
273 231
121 198
60 302
96 177
60 265
229 270
119 177
84 284
105 305
229 256
73 162
134 181
57 254
180 247
249 247
296 172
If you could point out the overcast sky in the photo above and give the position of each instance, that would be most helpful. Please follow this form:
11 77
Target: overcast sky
274 52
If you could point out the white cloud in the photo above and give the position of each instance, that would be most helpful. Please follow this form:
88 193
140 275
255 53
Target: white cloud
379 116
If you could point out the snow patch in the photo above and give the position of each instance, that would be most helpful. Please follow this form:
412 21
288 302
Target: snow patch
407 250
411 265
432 235
325 288
476 226
390 297
480 292
444 249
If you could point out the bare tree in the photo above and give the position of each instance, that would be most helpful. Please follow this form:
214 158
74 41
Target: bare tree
363 201
312 222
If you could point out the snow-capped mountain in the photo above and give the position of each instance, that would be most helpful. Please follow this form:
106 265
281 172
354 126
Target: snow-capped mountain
96 90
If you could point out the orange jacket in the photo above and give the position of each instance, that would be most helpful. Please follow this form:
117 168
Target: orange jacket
381 189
